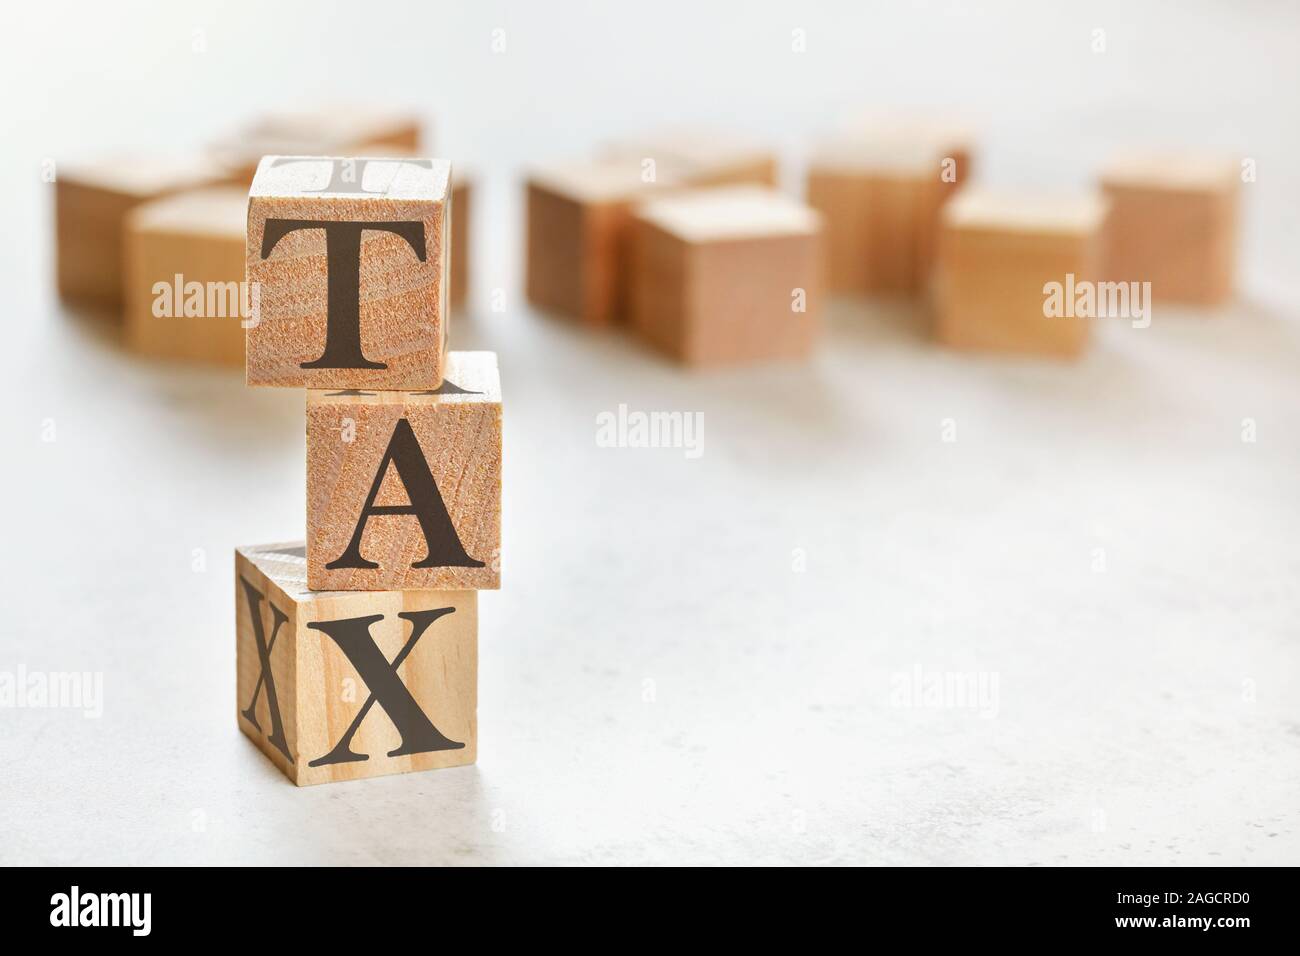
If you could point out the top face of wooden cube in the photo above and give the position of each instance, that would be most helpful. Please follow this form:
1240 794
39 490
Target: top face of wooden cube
145 175
701 156
986 212
348 259
369 182
730 214
347 125
880 156
336 130
612 180
1181 173
946 131
219 211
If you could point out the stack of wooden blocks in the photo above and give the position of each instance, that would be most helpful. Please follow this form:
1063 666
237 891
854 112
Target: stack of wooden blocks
159 240
357 652
682 237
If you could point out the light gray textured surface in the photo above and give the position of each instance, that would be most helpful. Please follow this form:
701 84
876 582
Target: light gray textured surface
1148 713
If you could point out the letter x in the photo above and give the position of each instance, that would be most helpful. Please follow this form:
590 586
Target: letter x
267 677
386 688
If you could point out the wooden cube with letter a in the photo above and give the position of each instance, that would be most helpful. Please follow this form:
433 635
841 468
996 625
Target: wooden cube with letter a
185 291
349 257
1173 223
579 227
727 275
341 685
999 256
404 488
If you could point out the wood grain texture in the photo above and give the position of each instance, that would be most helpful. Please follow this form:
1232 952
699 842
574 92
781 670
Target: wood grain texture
402 299
1173 223
578 235
319 693
458 430
996 254
91 203
715 274
199 236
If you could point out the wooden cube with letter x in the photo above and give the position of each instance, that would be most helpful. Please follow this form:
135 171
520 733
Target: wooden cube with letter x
348 258
404 488
341 685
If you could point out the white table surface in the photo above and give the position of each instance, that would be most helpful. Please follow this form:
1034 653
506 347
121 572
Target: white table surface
658 684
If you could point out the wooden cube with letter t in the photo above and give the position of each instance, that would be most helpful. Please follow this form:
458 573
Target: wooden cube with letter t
341 685
404 488
349 260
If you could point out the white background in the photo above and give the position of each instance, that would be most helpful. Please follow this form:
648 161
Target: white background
1149 713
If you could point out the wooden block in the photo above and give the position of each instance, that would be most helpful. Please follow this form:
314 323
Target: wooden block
339 685
349 256
404 488
727 275
1173 223
880 200
185 290
332 131
703 157
947 135
997 255
579 218
460 239
91 204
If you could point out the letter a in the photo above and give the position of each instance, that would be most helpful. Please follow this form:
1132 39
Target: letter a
443 546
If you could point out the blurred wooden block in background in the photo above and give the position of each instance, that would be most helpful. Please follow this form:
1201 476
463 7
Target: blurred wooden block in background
461 195
703 157
727 275
374 266
880 200
404 488
91 204
332 131
579 216
342 685
996 256
1173 223
185 290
